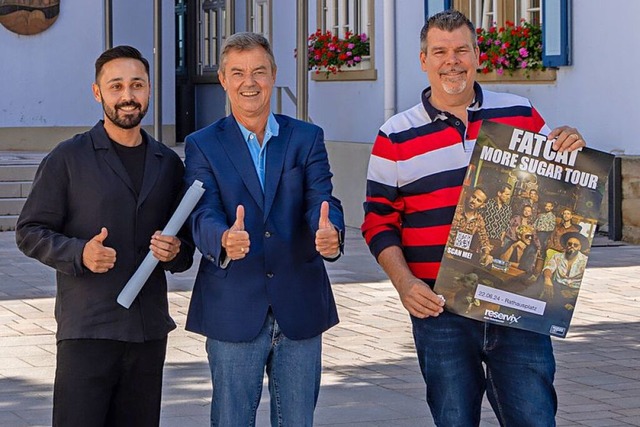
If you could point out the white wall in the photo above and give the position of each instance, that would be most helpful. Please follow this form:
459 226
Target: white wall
348 111
46 78
133 25
411 80
352 111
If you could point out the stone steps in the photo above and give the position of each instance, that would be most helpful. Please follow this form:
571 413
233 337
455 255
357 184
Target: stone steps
16 174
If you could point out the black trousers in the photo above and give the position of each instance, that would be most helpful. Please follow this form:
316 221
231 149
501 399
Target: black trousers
102 383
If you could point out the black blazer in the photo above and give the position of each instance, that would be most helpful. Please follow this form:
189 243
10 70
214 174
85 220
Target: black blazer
80 187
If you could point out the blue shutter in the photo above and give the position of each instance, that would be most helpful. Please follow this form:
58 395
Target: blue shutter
431 7
556 33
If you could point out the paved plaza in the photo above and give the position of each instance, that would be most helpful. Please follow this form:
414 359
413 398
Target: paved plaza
370 374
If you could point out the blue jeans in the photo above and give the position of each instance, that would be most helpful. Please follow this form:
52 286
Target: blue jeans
237 372
519 372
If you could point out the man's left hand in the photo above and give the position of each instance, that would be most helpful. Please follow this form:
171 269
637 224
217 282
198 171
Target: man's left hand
327 239
164 248
566 139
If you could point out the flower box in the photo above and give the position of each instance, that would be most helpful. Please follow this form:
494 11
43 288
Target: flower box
518 76
514 51
330 54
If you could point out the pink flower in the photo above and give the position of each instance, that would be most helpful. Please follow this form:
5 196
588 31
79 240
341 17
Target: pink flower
523 64
499 71
357 59
523 52
351 46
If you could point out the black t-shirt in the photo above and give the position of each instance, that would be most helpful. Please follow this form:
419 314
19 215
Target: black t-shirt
133 160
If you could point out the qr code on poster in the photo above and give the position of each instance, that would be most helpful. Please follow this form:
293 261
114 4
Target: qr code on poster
463 240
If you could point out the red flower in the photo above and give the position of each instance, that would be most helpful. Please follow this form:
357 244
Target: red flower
500 47
329 53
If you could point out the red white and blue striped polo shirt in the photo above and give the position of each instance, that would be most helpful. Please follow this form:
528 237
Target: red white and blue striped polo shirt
416 170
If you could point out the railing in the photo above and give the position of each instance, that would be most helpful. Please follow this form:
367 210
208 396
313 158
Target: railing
290 95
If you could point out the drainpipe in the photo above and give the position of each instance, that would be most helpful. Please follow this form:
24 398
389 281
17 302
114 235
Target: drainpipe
108 25
157 70
302 73
389 54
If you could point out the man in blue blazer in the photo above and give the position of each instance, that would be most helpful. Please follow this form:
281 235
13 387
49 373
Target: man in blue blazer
267 220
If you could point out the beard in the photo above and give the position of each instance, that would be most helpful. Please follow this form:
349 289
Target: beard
570 253
455 86
125 120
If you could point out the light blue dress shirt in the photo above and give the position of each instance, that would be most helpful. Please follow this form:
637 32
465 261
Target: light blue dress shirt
259 152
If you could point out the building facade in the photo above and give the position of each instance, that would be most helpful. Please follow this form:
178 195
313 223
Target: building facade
46 78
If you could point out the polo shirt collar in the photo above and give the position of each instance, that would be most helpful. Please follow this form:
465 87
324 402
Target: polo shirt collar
436 114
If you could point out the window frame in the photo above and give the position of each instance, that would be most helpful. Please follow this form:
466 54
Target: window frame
211 36
486 13
181 24
253 6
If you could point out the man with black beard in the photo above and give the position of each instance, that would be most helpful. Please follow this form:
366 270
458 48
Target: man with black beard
94 211
563 272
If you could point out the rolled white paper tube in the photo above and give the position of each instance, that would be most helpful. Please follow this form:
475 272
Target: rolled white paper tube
177 220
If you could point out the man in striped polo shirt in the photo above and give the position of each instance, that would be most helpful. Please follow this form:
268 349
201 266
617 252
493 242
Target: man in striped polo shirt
415 177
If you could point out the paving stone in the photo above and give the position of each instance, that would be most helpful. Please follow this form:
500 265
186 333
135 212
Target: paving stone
370 371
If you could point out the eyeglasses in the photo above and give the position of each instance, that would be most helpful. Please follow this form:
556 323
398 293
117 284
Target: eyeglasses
528 236
573 244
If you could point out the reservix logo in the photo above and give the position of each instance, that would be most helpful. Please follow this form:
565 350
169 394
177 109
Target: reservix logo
558 330
501 317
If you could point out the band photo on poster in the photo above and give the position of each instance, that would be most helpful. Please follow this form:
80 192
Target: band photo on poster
522 231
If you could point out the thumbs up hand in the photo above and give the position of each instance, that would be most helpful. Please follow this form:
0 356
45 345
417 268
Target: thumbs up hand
327 239
97 257
235 240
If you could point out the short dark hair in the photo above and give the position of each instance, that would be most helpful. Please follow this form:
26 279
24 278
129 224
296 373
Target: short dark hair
447 20
481 189
246 41
502 187
119 52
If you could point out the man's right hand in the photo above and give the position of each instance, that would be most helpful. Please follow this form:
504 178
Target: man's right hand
97 257
235 240
418 298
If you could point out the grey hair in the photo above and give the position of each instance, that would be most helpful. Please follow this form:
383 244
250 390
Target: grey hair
246 41
447 20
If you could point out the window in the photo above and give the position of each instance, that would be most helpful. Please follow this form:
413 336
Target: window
259 17
340 16
485 13
355 17
552 15
211 30
181 34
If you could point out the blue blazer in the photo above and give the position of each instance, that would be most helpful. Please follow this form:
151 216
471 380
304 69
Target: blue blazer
283 270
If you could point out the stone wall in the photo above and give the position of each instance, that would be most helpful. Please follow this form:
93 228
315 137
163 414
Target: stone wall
631 199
